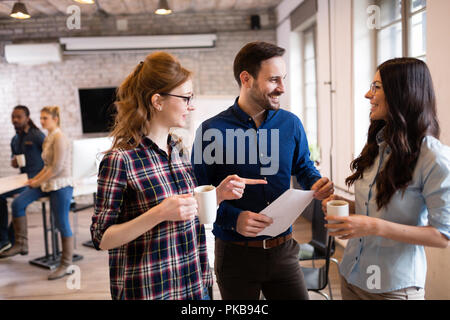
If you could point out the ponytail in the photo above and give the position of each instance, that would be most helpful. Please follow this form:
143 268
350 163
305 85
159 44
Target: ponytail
53 111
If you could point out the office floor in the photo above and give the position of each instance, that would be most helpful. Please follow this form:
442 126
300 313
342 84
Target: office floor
21 280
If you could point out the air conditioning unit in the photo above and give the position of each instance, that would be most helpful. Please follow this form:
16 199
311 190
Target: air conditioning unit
75 45
33 53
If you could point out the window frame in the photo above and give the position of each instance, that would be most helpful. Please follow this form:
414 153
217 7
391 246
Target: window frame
313 30
405 20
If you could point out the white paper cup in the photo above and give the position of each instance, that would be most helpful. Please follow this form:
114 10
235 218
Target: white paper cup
20 158
207 203
337 208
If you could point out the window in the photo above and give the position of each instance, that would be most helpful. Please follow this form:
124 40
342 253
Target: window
402 29
310 85
417 29
303 81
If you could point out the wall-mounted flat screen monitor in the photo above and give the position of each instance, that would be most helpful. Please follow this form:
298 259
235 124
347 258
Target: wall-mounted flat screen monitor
97 109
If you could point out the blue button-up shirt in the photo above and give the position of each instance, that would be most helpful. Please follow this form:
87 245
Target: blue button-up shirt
377 264
30 144
230 143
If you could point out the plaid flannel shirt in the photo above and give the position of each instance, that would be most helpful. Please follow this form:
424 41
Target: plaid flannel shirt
170 260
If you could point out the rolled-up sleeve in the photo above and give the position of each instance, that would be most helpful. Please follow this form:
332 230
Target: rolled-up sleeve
436 190
111 185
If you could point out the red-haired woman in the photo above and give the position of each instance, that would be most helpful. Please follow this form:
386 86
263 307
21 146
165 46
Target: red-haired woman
145 214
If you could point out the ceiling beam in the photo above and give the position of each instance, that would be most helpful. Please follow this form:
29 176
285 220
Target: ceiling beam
62 5
117 7
134 6
43 7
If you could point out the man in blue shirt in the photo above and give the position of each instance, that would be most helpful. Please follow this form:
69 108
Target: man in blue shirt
27 141
254 138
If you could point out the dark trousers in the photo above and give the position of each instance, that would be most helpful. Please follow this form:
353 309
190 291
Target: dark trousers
242 272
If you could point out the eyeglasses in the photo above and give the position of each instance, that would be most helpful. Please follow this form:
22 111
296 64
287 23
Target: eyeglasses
188 99
374 86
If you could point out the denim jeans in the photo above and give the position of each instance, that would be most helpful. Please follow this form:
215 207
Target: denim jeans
206 294
4 216
59 205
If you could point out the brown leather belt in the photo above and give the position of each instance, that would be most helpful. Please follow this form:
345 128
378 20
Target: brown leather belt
266 244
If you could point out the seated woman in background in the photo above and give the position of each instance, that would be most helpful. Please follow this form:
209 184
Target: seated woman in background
402 189
145 213
54 181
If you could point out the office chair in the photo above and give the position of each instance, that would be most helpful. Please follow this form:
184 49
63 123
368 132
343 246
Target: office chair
317 279
316 248
319 248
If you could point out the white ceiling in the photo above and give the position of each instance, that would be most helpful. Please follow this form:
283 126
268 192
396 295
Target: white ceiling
38 8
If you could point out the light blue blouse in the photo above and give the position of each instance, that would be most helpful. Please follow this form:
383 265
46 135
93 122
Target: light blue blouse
377 264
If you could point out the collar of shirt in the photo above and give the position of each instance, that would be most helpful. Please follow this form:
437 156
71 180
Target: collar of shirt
380 136
247 119
175 144
381 142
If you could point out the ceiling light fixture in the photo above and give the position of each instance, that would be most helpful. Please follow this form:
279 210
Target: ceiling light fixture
85 1
163 8
19 11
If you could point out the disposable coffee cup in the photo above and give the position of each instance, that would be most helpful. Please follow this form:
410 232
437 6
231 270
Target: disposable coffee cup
20 158
207 203
338 208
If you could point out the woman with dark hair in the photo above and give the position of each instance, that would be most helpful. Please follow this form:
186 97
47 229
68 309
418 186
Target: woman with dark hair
145 213
402 189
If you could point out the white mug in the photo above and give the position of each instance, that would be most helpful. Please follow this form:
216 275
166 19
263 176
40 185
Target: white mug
207 203
20 158
337 208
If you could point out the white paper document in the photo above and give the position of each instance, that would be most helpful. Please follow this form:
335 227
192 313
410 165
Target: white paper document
12 182
285 210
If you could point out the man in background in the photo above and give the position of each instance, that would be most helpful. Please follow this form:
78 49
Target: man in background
28 142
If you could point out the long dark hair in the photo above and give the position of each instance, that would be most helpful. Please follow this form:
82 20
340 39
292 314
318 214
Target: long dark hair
27 113
411 116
